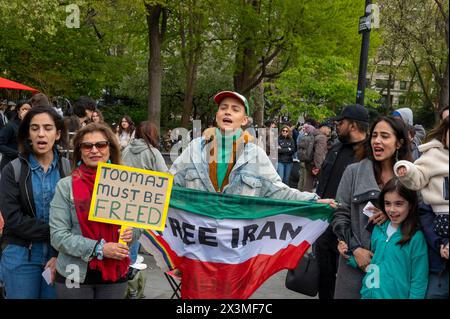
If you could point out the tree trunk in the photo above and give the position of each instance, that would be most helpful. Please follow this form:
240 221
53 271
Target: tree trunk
443 92
191 48
191 78
156 15
258 117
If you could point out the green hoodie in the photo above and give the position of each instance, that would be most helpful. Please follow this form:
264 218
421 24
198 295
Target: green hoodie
396 272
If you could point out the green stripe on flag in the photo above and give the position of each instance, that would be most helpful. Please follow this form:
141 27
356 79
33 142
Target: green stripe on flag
221 206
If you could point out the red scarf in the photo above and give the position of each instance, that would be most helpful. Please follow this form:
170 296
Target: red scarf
83 179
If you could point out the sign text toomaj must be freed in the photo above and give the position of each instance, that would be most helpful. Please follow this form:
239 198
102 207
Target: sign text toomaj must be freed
129 196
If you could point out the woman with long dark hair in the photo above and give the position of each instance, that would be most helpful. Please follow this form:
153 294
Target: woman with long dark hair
360 184
27 186
126 131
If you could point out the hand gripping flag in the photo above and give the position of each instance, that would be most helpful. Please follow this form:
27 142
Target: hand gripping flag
226 246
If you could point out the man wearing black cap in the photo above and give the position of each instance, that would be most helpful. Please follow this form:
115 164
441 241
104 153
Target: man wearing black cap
351 126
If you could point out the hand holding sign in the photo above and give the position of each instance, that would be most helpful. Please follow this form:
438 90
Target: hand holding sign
115 251
129 197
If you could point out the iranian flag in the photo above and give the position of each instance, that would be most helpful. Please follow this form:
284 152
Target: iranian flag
226 246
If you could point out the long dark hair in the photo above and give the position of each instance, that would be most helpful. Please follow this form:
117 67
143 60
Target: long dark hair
130 128
411 224
23 133
401 134
439 132
114 147
147 131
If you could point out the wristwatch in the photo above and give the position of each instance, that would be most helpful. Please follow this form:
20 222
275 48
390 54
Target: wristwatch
98 250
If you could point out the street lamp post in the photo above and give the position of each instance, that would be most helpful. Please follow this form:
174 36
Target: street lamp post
364 28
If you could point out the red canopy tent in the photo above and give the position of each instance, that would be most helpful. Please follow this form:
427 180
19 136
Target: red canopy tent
8 84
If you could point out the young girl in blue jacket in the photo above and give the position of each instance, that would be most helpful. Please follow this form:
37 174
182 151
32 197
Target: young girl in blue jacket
399 265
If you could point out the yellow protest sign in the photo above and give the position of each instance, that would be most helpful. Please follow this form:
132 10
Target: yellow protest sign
130 196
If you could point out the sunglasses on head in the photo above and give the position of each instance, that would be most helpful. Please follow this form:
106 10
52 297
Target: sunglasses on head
87 146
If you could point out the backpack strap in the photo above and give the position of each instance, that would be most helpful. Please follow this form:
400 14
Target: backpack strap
17 166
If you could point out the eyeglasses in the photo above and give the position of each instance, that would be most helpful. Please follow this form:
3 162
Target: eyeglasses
284 131
87 146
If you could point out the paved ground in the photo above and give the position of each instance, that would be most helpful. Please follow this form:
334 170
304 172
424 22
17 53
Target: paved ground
157 287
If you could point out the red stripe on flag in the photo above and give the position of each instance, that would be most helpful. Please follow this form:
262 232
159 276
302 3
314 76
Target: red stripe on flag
211 280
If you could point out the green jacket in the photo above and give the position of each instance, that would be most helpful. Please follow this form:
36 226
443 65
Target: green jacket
395 272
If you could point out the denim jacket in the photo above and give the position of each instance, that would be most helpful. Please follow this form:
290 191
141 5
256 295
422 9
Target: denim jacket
252 175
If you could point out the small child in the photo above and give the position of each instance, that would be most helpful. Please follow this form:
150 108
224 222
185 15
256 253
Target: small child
429 174
399 266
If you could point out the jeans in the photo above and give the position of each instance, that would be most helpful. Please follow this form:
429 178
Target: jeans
284 170
438 285
22 273
134 250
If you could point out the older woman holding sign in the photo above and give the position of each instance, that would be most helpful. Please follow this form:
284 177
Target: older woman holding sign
90 257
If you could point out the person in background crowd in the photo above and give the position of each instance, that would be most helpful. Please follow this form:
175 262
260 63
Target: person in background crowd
97 117
272 143
92 247
430 175
8 135
360 184
286 150
142 152
443 113
3 117
414 147
39 99
126 131
25 204
406 114
315 154
351 126
11 112
399 249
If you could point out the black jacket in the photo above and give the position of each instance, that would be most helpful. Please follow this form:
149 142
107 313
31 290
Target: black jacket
18 210
8 142
337 159
286 150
